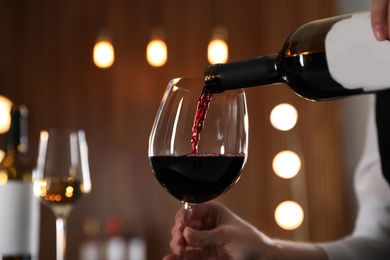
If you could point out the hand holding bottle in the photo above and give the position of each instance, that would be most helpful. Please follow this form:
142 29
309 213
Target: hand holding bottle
380 19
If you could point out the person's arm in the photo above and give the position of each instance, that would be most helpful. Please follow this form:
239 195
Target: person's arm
371 235
297 250
215 232
380 20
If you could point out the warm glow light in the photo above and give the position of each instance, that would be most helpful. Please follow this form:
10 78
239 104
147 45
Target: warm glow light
286 164
69 191
157 53
103 54
40 188
284 117
217 51
289 215
5 114
3 177
2 154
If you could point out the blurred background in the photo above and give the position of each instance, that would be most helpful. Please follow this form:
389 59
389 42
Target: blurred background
47 63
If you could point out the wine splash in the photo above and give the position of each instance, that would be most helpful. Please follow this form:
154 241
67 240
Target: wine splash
200 116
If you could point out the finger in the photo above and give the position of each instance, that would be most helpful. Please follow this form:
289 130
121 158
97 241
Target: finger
195 219
379 19
207 211
179 225
203 238
177 243
195 223
179 222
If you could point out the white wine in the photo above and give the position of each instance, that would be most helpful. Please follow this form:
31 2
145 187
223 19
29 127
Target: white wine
60 194
322 60
61 176
19 214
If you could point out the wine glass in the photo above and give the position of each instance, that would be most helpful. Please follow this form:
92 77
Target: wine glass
62 177
199 140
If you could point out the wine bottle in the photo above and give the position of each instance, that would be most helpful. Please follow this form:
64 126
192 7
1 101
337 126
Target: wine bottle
325 59
115 246
137 248
19 214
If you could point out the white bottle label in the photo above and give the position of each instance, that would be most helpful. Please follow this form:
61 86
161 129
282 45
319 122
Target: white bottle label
355 58
19 220
137 249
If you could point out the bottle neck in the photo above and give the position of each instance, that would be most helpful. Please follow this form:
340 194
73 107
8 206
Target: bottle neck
242 74
17 141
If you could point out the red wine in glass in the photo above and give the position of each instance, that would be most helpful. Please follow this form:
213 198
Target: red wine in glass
196 178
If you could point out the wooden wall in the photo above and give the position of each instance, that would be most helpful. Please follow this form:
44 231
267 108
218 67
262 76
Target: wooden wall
46 63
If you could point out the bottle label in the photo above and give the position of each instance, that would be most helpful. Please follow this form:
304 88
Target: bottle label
355 58
19 220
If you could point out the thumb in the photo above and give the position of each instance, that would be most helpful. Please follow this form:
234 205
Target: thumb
202 238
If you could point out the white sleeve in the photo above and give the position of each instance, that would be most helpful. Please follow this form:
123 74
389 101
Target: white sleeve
370 238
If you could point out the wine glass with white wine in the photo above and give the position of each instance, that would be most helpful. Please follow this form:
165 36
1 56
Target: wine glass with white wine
62 176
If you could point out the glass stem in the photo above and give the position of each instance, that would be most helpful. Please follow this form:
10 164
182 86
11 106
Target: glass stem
61 237
188 208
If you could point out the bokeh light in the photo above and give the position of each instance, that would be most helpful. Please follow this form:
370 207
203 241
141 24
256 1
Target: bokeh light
217 51
5 114
286 164
157 53
103 54
289 215
284 117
